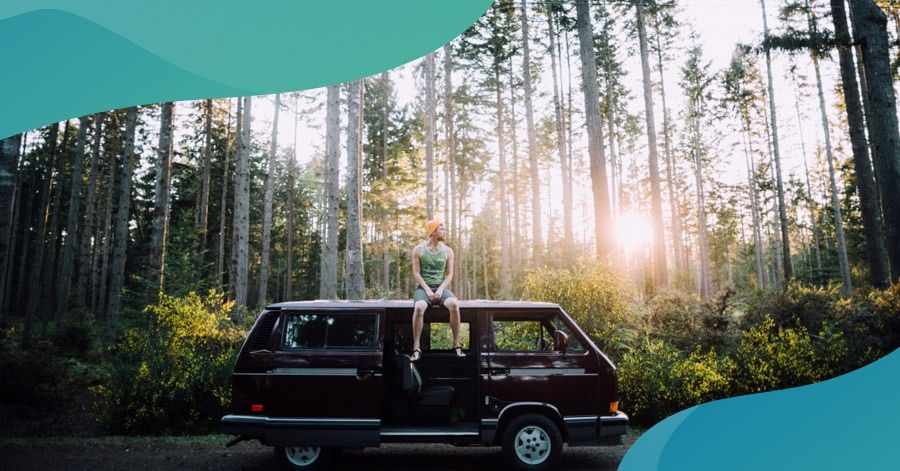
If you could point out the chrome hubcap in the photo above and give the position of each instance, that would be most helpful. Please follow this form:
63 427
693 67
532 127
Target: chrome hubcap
532 445
302 455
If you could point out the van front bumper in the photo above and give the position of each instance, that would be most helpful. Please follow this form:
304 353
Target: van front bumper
602 430
287 431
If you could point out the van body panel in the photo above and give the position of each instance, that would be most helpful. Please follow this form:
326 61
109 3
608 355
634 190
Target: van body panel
289 392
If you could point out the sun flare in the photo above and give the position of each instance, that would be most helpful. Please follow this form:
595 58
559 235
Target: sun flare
632 231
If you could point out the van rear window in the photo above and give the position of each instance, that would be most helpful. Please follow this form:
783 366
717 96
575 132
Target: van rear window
323 331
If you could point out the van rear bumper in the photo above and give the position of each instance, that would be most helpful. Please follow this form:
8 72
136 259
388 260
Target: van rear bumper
288 431
602 430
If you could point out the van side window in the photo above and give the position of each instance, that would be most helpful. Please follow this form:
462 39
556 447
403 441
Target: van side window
531 335
323 331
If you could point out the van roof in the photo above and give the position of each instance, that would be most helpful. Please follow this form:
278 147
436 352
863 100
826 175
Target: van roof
408 304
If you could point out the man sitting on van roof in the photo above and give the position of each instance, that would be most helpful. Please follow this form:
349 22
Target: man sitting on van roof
432 267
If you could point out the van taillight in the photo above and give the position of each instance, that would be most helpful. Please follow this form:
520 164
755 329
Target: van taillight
614 407
256 407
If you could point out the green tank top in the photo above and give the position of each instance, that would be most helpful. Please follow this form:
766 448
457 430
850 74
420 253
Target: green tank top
432 266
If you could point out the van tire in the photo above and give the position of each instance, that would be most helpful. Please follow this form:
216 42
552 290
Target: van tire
304 458
531 442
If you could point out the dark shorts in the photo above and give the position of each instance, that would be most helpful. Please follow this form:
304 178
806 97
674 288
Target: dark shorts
420 295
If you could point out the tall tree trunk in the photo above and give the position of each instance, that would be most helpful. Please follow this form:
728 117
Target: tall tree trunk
354 276
162 194
455 209
120 235
267 209
385 233
516 233
101 268
205 173
602 217
328 279
660 272
289 249
240 252
561 143
9 159
670 162
876 252
64 278
870 30
537 248
223 205
429 135
835 199
758 250
48 302
505 269
701 207
809 198
37 254
87 230
782 210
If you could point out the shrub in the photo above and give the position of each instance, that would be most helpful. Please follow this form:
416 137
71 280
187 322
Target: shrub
173 374
656 380
595 298
687 322
771 357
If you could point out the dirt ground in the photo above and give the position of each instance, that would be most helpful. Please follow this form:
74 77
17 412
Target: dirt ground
209 453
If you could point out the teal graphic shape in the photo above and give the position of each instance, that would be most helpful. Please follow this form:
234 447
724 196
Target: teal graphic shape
64 58
849 422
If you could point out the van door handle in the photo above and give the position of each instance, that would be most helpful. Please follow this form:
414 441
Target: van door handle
364 373
499 371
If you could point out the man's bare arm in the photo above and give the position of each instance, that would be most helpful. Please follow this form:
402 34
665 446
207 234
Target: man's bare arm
449 277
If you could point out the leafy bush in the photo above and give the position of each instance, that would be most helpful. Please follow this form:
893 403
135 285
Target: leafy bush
771 357
656 380
595 298
687 322
172 375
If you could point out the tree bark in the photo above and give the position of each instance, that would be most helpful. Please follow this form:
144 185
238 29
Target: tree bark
37 254
782 210
602 215
223 205
87 230
876 252
240 252
505 269
120 232
205 173
328 275
289 249
870 31
660 271
101 265
267 209
429 135
162 194
561 141
9 158
537 248
354 276
64 278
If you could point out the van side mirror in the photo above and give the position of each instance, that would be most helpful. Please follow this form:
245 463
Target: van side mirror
561 339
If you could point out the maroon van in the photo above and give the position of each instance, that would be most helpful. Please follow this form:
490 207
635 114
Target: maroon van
316 376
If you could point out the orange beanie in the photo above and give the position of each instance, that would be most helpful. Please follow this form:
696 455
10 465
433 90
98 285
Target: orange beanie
431 226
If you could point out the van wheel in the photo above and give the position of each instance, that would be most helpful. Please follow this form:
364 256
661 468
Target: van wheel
532 442
303 457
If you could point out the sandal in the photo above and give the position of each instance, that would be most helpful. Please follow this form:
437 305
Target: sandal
459 351
416 354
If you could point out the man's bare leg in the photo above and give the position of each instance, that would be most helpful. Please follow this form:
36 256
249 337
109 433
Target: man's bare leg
452 306
418 320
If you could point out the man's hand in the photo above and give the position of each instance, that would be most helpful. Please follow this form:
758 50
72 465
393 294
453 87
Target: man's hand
437 295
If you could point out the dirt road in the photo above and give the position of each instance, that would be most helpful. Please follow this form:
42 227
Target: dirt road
209 453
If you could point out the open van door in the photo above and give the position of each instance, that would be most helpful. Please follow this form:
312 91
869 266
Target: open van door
325 378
